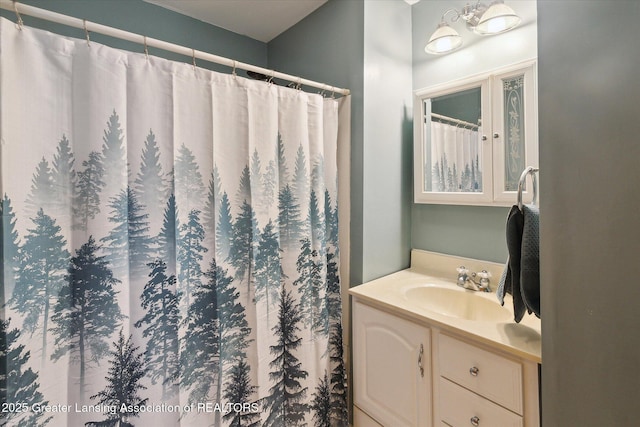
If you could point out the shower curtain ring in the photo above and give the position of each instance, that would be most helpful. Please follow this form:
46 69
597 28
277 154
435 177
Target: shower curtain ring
86 32
146 49
233 72
299 84
270 80
19 22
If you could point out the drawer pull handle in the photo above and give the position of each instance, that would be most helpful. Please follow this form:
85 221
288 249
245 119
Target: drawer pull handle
475 421
474 371
420 361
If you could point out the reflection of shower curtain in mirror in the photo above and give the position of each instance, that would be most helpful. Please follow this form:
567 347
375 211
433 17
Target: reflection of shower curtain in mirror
456 164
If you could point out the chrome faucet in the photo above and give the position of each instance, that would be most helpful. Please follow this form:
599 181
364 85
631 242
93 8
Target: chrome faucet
466 279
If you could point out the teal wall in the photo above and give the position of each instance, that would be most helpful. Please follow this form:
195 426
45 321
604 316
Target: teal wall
590 240
152 21
464 105
467 231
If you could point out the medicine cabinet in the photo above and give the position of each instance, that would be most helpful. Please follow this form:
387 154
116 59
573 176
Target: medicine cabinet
474 137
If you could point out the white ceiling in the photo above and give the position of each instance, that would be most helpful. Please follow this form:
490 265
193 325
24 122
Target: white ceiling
261 20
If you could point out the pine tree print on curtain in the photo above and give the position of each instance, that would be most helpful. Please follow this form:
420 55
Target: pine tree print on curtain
9 248
286 401
41 276
169 242
123 388
160 300
86 312
18 383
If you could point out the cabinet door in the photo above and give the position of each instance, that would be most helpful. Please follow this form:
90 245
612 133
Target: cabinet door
474 137
360 419
391 368
452 149
515 130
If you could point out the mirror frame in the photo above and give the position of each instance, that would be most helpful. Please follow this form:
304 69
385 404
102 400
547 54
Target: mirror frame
490 135
420 194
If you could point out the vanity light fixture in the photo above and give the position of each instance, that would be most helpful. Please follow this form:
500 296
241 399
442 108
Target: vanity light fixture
444 39
481 19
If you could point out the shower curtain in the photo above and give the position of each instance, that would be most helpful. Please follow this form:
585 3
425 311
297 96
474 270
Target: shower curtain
169 243
455 159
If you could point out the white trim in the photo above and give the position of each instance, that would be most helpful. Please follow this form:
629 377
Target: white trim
344 204
344 226
474 77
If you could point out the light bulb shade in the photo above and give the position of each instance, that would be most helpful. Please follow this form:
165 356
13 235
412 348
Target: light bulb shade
444 39
497 19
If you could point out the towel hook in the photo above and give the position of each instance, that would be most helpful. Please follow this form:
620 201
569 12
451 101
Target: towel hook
530 170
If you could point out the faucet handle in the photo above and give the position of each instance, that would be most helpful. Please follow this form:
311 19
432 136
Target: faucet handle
462 270
484 280
484 274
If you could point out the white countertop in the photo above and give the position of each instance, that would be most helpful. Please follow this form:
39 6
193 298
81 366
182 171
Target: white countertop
388 293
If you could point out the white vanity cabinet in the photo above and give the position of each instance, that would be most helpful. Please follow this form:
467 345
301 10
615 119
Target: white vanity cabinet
410 373
391 369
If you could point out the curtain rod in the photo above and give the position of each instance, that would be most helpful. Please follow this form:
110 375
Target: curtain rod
87 26
457 121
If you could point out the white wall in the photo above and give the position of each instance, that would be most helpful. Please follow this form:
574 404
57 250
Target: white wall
387 137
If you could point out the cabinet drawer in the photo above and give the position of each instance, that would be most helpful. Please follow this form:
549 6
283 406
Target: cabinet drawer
495 377
461 408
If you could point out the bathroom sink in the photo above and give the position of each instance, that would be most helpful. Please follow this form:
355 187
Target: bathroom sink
458 302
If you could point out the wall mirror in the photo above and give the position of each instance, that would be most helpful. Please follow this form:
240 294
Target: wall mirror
474 137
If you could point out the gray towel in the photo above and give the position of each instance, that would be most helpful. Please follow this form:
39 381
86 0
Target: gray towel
510 280
530 263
